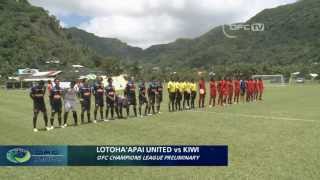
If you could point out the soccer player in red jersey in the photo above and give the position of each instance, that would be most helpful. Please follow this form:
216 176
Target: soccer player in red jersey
225 90
222 91
220 94
202 92
251 89
230 91
213 93
261 88
236 90
256 89
248 90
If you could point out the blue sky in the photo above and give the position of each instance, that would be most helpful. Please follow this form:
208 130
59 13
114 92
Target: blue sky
147 22
73 20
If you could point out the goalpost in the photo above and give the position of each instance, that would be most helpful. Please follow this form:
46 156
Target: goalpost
274 80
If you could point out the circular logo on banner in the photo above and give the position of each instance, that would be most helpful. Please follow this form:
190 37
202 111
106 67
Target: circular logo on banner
18 155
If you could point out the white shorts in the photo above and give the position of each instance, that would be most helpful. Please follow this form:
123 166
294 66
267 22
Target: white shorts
202 91
70 106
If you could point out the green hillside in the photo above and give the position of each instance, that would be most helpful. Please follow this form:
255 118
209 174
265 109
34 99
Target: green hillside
290 42
29 37
105 46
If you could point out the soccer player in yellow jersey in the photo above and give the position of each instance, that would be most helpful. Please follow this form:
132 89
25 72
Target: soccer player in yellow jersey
172 94
176 85
184 92
193 88
188 94
179 92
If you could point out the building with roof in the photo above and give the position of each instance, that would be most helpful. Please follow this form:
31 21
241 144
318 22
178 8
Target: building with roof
25 78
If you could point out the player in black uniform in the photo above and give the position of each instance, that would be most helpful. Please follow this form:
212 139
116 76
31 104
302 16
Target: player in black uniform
37 95
49 87
130 94
56 96
143 98
85 100
110 98
98 92
159 95
152 90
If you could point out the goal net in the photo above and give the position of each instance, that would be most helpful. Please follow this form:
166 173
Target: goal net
275 80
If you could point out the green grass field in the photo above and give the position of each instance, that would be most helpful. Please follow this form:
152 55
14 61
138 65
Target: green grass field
274 139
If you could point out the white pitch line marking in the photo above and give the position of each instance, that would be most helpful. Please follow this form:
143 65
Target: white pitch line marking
258 116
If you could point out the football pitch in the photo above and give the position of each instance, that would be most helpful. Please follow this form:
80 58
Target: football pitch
277 138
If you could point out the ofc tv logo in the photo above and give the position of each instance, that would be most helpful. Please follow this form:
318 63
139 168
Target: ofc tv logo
18 155
255 27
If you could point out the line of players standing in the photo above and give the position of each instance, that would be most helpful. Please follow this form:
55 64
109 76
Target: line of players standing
222 92
150 97
229 91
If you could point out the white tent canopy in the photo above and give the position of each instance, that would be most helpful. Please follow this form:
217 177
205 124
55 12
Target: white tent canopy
313 75
89 77
119 82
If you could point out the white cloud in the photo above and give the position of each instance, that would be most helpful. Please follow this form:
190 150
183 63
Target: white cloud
146 22
141 31
63 24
